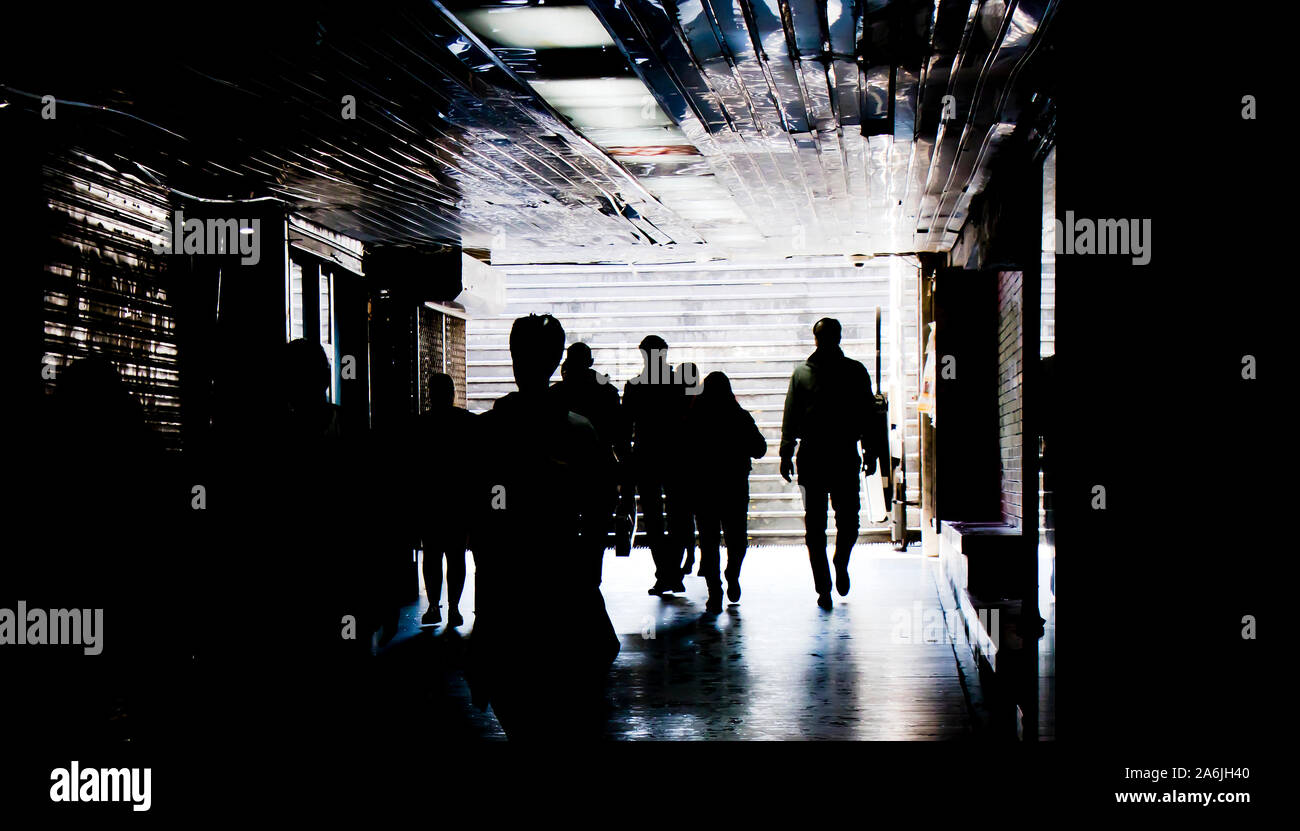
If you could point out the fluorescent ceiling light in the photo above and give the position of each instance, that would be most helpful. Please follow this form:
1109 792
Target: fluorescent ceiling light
603 103
539 27
595 92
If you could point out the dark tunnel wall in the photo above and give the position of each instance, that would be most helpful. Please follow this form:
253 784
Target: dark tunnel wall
966 337
987 303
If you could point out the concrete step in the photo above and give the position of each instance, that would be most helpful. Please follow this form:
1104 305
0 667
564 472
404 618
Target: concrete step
583 318
767 373
761 400
743 329
608 347
658 293
752 324
622 296
790 277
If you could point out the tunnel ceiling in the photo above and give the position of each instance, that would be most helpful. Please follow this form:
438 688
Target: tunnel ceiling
618 130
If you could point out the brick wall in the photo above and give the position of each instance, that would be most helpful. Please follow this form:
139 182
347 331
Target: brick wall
1011 340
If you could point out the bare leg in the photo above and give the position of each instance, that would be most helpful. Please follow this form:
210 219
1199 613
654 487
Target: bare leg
433 581
455 583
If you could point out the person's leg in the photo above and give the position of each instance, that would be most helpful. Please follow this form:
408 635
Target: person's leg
709 524
681 510
814 506
432 565
652 514
596 539
681 527
735 525
455 577
847 502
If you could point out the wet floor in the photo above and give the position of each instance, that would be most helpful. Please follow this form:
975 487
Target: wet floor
880 665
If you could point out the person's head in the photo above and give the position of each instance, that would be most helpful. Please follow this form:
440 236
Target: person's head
90 391
90 381
717 389
536 345
305 372
578 359
442 390
654 350
826 332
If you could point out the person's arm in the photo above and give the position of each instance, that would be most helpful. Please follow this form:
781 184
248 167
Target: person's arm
790 418
627 487
757 444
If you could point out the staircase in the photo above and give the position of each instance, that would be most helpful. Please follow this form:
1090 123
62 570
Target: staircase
753 322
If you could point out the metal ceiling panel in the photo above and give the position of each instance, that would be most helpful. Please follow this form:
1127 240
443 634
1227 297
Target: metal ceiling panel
774 126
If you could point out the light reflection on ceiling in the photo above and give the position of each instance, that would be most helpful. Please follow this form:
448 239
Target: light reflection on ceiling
615 130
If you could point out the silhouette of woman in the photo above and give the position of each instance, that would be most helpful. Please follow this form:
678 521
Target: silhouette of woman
723 437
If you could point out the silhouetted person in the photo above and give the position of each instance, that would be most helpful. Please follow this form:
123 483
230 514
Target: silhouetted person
319 561
683 538
289 500
541 496
723 437
590 394
313 442
309 417
444 437
95 503
827 414
104 465
653 402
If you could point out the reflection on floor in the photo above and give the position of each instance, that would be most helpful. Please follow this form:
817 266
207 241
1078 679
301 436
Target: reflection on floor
775 666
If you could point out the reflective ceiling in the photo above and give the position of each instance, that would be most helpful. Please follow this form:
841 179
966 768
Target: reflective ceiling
543 131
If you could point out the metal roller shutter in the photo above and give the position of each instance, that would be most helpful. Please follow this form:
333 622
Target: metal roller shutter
105 289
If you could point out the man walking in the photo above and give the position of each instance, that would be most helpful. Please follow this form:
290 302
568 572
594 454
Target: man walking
827 416
653 404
